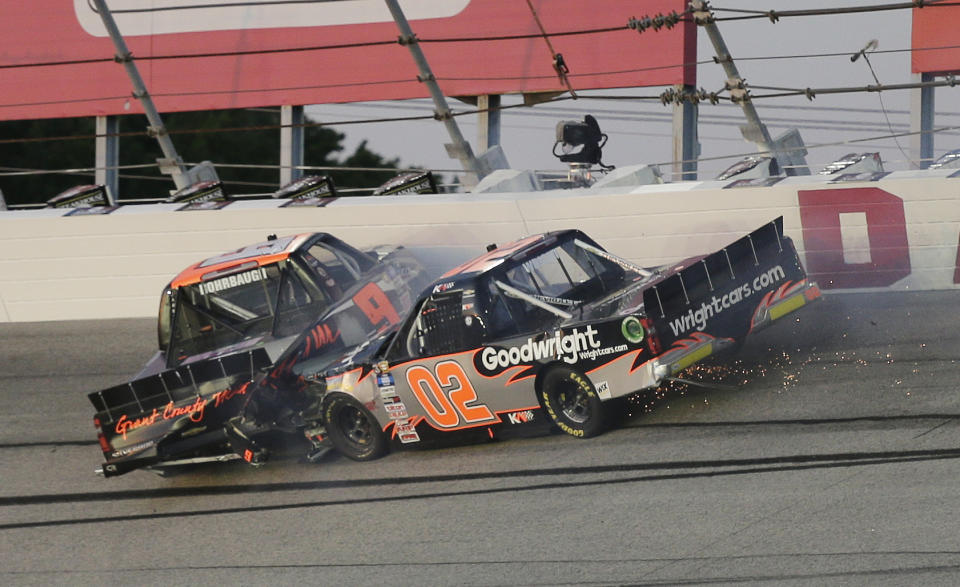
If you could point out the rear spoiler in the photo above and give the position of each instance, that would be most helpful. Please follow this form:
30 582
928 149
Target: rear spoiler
728 294
186 382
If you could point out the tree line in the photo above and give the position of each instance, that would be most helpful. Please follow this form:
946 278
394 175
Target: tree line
322 147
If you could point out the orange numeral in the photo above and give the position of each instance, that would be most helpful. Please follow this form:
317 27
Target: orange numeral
376 305
447 396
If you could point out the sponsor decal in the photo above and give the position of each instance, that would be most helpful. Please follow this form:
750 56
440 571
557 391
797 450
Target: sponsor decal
226 395
408 190
339 384
593 354
520 417
555 301
316 193
195 411
632 329
313 194
200 193
231 281
603 389
581 344
697 319
94 200
140 447
441 287
407 432
125 424
397 410
79 197
567 347
408 183
344 382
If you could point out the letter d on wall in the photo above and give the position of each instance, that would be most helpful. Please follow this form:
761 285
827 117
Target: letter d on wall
823 237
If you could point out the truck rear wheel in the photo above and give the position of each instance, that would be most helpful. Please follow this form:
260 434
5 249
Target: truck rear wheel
571 402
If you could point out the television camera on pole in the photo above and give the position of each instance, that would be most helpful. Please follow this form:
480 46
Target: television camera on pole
581 146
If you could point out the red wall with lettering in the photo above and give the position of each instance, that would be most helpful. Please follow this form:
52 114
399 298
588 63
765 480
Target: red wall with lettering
886 227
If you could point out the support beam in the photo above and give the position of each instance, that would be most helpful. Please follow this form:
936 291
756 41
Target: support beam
156 129
922 122
686 144
488 122
458 148
107 156
754 131
291 143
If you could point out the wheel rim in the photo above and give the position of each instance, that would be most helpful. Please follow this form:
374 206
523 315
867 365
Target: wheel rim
574 403
355 426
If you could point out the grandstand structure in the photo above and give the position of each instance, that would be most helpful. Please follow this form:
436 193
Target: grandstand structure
120 58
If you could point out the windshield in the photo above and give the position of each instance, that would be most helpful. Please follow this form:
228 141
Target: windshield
551 285
569 274
274 299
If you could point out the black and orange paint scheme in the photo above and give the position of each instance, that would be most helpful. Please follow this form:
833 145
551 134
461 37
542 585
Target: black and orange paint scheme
224 324
550 329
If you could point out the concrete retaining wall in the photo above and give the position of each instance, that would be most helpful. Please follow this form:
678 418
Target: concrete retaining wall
900 232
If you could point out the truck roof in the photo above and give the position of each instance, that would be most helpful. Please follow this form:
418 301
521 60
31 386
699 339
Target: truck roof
494 257
255 255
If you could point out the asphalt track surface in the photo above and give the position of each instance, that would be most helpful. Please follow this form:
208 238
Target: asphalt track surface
830 454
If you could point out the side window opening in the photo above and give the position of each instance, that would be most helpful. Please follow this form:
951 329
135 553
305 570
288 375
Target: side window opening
510 311
607 274
336 269
300 302
441 326
506 316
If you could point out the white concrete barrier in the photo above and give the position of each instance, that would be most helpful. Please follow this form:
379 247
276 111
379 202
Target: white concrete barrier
899 232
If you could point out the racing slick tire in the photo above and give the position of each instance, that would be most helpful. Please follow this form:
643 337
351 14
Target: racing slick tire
352 429
571 402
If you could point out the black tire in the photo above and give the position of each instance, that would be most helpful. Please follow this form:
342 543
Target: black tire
353 430
571 402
